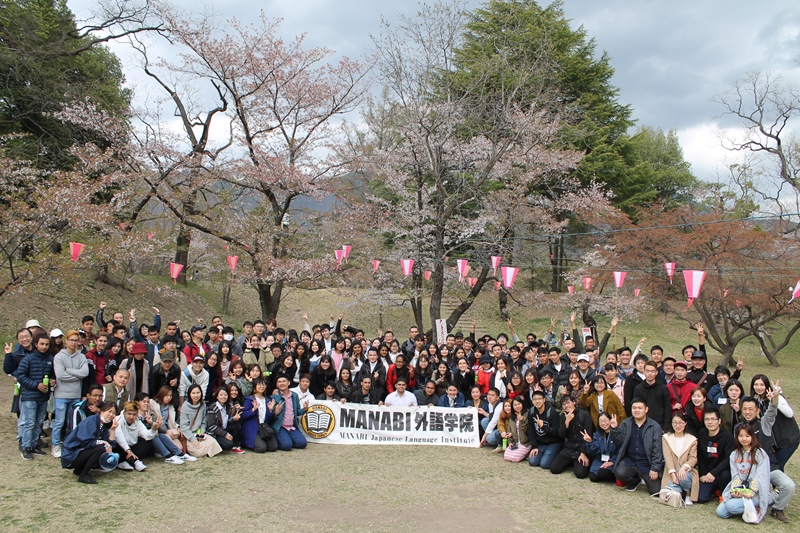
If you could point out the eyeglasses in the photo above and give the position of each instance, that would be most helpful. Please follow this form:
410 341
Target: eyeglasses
73 340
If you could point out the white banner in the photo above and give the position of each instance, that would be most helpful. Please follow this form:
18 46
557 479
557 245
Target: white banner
353 423
441 330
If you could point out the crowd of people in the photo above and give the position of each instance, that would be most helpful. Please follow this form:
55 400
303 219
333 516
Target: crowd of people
113 393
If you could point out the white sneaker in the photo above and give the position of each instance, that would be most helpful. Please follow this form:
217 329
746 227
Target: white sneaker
124 465
188 458
174 460
688 501
139 466
56 451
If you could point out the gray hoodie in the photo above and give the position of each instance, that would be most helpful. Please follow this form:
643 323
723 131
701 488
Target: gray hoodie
70 371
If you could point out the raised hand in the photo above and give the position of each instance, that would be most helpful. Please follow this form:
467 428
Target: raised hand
614 423
552 324
587 387
614 322
9 347
155 310
103 305
642 341
305 317
573 316
539 422
115 423
740 363
586 436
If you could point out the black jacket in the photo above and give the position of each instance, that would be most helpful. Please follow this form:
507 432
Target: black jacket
379 383
158 379
358 397
651 439
575 445
631 382
658 405
547 434
713 453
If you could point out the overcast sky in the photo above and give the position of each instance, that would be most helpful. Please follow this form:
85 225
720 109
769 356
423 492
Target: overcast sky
670 58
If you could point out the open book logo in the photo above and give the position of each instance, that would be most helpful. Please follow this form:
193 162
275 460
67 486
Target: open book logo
318 422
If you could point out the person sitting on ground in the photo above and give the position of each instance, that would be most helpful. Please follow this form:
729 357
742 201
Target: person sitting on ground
329 394
223 421
503 423
88 446
400 396
749 465
575 425
714 447
640 450
680 458
543 425
518 447
427 395
491 415
133 438
364 394
87 407
150 416
259 412
453 398
303 391
162 404
287 422
193 424
602 450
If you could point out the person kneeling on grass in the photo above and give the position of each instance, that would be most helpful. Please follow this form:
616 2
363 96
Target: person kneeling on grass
193 424
150 417
259 411
518 443
287 423
88 446
602 450
133 438
575 426
640 452
223 421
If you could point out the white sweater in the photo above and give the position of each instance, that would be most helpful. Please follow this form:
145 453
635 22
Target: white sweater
128 435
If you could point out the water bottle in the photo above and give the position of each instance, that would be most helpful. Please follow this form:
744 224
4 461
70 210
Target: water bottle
46 381
16 389
505 443
91 345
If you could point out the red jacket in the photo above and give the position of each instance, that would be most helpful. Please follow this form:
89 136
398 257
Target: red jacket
485 380
391 378
684 392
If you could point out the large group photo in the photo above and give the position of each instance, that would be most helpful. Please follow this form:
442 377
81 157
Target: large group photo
455 265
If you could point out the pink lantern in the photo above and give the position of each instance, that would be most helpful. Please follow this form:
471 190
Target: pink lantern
150 235
495 263
75 250
636 292
670 268
472 281
233 260
463 268
497 285
694 282
339 254
175 271
571 289
619 279
375 265
509 275
587 284
795 292
427 275
407 265
346 251
467 268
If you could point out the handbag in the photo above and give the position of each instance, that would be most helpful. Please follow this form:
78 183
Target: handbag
750 515
670 497
265 431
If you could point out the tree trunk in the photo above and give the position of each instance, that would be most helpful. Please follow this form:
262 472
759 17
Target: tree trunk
269 296
437 279
416 297
182 243
226 297
557 263
502 299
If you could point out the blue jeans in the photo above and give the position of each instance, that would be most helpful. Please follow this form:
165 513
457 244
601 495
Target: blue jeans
62 407
547 452
31 414
782 456
493 438
731 508
290 439
685 484
165 447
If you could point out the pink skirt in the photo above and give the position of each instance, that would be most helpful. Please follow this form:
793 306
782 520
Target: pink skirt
517 454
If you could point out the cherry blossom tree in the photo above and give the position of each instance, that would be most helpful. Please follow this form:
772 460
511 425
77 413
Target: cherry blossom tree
439 152
284 102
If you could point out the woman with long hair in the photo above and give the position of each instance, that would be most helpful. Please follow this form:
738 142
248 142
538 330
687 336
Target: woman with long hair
399 370
750 471
596 398
785 430
193 424
731 411
443 377
698 403
322 374
423 371
518 443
